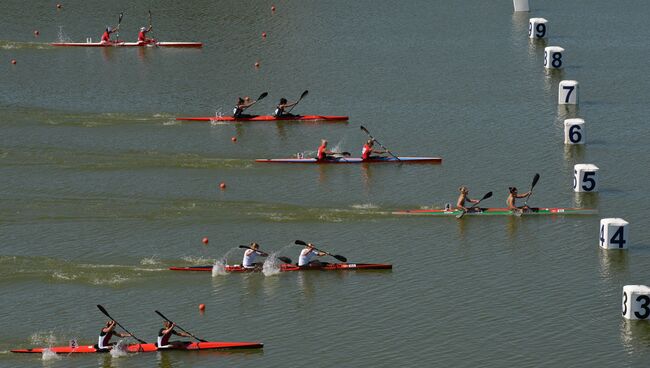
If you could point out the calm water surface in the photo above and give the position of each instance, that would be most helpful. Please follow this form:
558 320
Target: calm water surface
102 189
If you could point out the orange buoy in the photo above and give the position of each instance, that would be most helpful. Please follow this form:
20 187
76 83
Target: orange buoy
59 6
263 34
36 33
222 185
257 64
234 139
13 61
205 240
202 307
272 8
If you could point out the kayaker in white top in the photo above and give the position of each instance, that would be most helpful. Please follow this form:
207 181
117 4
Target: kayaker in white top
105 335
162 342
307 254
251 254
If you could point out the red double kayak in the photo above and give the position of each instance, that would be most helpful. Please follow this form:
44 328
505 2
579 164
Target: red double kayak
267 118
148 348
129 44
289 268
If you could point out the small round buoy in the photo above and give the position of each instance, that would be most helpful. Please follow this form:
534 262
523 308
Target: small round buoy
205 240
13 61
59 6
234 139
202 307
36 33
263 34
257 64
222 185
272 8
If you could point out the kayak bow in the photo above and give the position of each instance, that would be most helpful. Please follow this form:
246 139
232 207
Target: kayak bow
354 160
148 348
329 118
290 268
502 212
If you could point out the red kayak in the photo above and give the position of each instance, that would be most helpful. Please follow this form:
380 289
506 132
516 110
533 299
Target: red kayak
148 348
129 44
328 118
288 268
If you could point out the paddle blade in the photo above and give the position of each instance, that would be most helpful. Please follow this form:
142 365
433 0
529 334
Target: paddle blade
340 258
286 260
120 18
535 180
487 195
244 247
304 94
162 316
262 96
365 130
103 310
300 242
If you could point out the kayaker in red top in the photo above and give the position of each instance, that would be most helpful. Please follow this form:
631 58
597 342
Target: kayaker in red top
460 204
283 105
323 153
512 197
106 37
105 335
165 333
367 150
142 36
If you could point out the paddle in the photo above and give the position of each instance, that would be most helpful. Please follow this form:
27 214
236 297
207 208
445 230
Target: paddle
117 29
150 25
486 196
103 310
532 185
259 98
340 258
301 97
382 146
181 328
286 260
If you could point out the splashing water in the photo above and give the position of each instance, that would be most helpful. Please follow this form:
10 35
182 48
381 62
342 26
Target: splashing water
149 261
50 355
62 37
43 338
271 266
219 267
119 350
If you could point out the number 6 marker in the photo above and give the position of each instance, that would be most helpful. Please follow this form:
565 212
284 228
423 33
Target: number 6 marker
574 131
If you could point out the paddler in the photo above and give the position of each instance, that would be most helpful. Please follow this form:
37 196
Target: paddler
323 153
282 106
307 254
512 197
251 254
105 335
368 150
242 104
106 37
142 36
165 333
460 204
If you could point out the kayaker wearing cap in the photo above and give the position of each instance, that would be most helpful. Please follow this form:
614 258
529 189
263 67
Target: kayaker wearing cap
165 333
283 105
142 36
106 37
105 335
307 254
323 153
242 104
367 150
251 254
512 197
460 204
